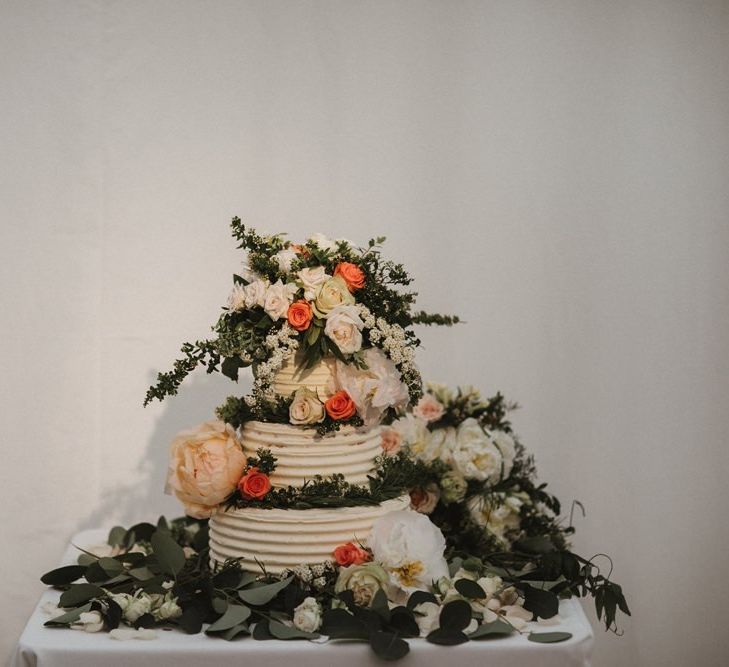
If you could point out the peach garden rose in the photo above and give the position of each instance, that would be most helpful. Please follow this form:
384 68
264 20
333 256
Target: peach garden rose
205 466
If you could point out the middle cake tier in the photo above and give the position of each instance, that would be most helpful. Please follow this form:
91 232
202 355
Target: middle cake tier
302 453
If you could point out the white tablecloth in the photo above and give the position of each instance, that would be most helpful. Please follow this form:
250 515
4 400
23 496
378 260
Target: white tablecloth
59 647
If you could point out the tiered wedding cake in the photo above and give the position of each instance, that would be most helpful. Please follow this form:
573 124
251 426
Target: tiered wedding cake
285 538
298 468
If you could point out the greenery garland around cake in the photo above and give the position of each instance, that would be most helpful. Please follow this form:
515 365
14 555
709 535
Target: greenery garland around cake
484 552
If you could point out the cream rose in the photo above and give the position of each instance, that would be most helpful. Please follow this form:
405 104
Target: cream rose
278 299
306 408
205 466
429 408
344 327
475 456
363 580
334 292
312 280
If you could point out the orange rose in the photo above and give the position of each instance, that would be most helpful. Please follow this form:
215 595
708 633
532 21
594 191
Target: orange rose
300 315
350 554
351 274
254 485
340 406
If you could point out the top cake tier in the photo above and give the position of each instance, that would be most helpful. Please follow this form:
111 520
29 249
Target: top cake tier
292 375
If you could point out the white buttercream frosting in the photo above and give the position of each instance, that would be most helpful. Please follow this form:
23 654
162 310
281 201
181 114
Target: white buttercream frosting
291 376
301 453
285 538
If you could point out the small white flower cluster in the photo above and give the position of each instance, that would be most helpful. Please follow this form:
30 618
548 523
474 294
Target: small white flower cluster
315 575
282 344
162 607
392 339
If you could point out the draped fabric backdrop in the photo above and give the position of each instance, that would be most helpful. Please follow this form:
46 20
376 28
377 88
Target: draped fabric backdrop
554 172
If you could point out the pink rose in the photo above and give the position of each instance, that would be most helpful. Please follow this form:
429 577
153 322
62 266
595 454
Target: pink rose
391 441
429 408
205 466
424 499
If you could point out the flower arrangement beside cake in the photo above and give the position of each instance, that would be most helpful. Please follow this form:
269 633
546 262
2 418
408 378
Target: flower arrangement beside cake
337 498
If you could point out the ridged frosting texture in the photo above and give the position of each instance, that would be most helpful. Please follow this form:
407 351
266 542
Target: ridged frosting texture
291 376
302 454
283 539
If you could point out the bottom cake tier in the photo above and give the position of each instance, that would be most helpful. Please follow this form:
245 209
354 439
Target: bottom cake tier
284 538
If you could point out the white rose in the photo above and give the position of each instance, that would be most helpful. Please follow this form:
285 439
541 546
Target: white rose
410 547
312 280
284 258
344 327
427 616
255 293
169 609
324 242
474 455
89 621
307 616
306 408
237 297
440 445
137 607
278 299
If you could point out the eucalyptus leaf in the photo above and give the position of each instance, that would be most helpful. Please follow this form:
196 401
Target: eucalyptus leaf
418 597
63 575
261 631
497 628
141 573
78 594
388 645
241 630
549 637
455 615
170 556
470 589
542 603
111 566
281 631
263 594
235 614
69 617
379 605
116 536
447 637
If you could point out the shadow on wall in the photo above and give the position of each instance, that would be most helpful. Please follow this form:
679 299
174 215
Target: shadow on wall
144 498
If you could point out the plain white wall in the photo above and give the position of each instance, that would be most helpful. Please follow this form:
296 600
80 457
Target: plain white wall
555 172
